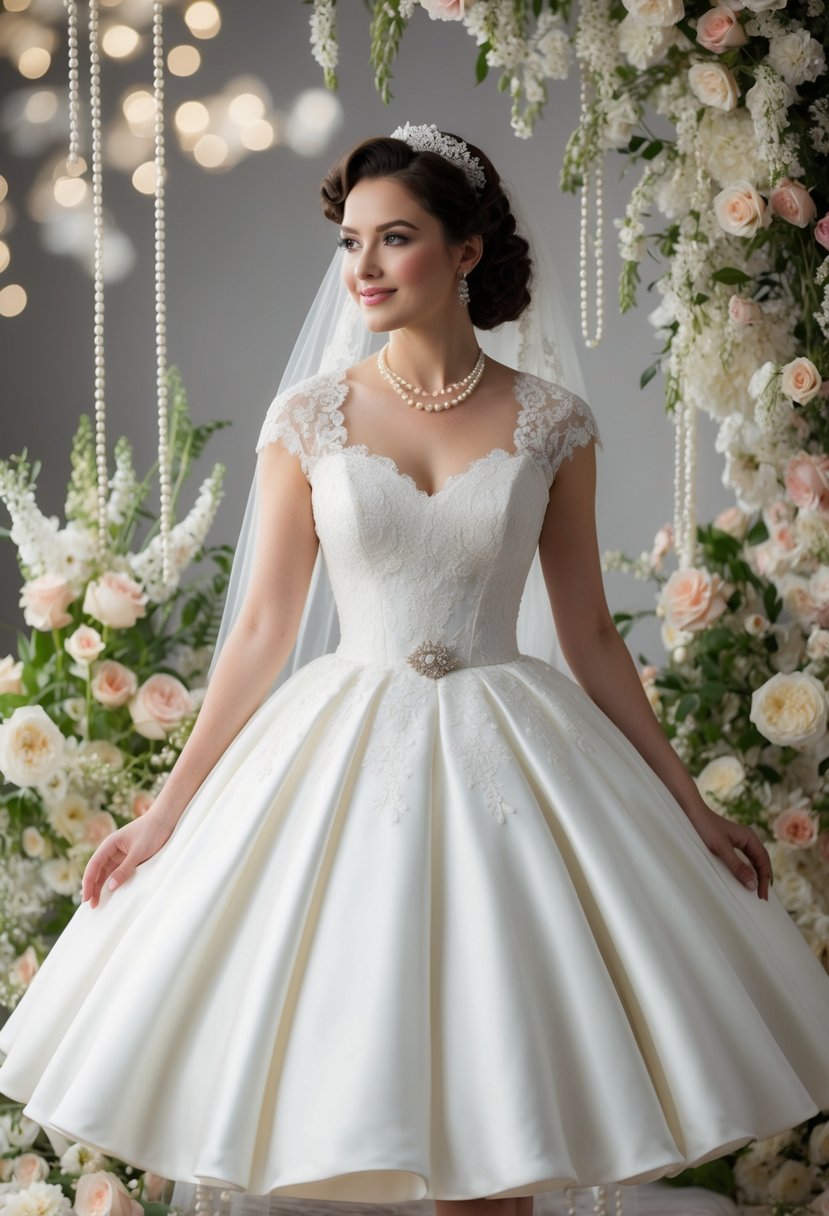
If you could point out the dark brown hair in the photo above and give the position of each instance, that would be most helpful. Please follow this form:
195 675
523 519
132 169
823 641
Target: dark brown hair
499 283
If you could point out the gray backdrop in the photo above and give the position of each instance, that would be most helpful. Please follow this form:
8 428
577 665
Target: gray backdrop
246 250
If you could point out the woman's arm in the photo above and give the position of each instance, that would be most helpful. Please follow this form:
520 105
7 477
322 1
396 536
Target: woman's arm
602 664
265 630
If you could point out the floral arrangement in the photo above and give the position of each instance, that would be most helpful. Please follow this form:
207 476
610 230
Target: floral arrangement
101 697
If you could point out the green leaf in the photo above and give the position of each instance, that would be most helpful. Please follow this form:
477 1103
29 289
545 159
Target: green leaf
648 374
730 274
653 149
687 705
481 66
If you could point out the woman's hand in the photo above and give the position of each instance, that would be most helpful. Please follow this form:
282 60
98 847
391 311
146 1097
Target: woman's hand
118 855
722 835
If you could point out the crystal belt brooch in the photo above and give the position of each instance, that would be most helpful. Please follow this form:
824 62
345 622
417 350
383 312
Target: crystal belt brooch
432 659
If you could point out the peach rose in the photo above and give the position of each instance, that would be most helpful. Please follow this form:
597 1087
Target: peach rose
733 521
795 826
22 970
446 10
113 684
44 601
693 599
32 747
744 311
790 709
115 599
822 231
102 1193
740 210
97 827
85 644
719 28
29 1167
10 673
159 705
714 85
806 478
793 203
142 800
800 380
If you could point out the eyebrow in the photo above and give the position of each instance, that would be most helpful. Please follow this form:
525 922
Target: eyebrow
382 227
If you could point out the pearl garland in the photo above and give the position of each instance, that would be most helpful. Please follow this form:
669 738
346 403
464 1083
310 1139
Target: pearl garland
164 471
400 385
597 170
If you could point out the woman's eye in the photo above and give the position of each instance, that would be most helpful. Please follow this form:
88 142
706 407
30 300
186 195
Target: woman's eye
344 241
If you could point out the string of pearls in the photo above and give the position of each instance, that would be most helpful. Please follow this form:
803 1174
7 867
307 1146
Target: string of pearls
600 1206
686 447
72 48
406 390
164 469
596 172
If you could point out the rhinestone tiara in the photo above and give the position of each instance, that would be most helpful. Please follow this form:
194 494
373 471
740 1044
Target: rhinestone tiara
428 138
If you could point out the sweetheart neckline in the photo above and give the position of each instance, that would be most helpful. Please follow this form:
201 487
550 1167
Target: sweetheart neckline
362 449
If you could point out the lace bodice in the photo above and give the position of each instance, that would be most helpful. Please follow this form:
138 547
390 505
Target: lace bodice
407 566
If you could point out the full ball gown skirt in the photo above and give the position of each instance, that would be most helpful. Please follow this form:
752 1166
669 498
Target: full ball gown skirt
420 937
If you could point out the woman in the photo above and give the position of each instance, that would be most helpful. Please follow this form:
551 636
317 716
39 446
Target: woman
432 920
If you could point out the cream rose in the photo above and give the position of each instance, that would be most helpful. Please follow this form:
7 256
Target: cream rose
110 753
793 203
714 85
656 12
44 601
806 478
800 380
32 747
34 843
720 779
693 599
790 709
115 599
10 673
792 1182
733 521
159 705
744 311
30 1167
796 827
97 827
113 684
85 644
740 209
817 644
104 1194
69 816
719 28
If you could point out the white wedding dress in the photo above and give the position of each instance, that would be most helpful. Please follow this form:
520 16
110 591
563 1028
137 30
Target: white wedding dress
420 937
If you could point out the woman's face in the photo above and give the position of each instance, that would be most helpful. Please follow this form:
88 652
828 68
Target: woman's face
392 245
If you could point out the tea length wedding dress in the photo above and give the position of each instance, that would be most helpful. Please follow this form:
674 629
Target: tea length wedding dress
425 935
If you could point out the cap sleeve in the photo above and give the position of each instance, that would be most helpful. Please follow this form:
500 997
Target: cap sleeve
553 422
306 419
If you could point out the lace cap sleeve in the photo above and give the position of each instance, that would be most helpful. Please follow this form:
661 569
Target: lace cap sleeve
554 422
305 419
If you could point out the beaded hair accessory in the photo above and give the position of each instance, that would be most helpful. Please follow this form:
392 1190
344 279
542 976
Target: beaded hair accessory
428 138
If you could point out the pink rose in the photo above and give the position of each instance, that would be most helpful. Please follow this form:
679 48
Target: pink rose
662 544
97 827
141 802
806 478
115 599
822 231
10 673
744 311
796 826
719 28
85 644
113 684
446 10
102 1193
30 1167
800 380
44 601
22 970
740 209
733 521
793 203
693 599
159 705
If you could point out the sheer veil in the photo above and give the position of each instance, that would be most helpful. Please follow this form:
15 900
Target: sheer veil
333 337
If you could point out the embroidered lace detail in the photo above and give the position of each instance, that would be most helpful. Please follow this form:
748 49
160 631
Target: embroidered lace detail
476 743
552 422
397 743
306 418
522 694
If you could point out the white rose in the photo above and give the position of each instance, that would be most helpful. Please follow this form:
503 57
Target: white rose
720 778
644 45
31 746
819 1144
33 841
800 380
790 709
10 673
69 816
30 1167
656 12
794 891
85 644
714 84
62 874
817 644
792 1183
740 210
764 6
620 116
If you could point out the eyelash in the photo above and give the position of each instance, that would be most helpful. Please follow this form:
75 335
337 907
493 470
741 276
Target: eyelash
342 242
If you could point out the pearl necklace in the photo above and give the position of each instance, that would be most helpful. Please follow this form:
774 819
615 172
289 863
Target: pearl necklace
401 386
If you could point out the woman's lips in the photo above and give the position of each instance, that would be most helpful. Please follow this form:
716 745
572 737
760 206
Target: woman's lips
377 297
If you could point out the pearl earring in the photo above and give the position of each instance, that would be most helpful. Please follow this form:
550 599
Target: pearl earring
463 290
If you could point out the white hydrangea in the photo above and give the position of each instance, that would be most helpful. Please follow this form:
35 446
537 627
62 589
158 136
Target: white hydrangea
797 57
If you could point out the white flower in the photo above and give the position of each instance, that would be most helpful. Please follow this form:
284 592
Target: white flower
721 778
714 84
621 113
740 209
644 45
819 1144
62 874
31 746
790 709
656 12
37 1199
85 644
728 148
792 1182
794 890
797 57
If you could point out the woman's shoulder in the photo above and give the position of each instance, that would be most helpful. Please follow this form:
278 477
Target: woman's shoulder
303 411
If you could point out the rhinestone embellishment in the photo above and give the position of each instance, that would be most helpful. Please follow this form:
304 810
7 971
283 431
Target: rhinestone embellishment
432 659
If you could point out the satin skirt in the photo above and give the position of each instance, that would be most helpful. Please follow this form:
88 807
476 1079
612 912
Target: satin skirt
425 938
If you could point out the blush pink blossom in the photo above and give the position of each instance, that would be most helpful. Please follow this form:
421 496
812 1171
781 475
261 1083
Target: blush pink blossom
141 802
693 599
793 203
796 826
744 311
11 671
102 1193
822 231
719 28
159 705
115 599
446 10
97 827
44 601
806 478
113 684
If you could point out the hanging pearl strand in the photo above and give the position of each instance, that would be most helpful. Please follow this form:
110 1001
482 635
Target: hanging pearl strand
72 47
597 171
164 471
401 386
685 475
98 275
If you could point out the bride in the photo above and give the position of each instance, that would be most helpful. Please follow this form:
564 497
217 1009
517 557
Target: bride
419 915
